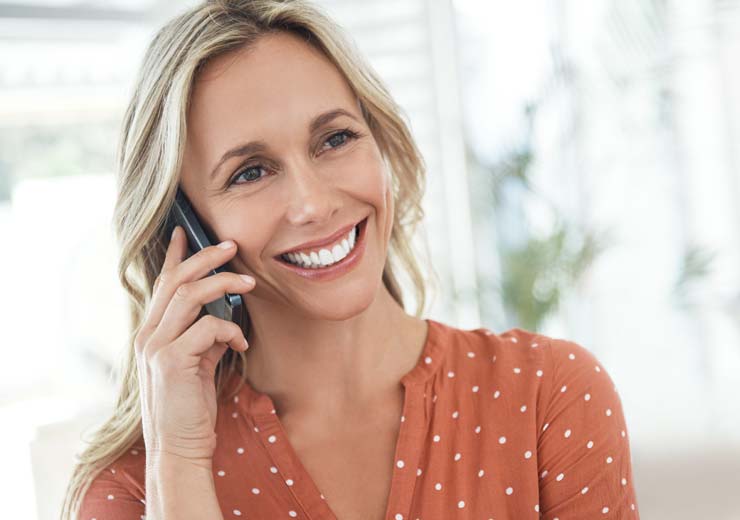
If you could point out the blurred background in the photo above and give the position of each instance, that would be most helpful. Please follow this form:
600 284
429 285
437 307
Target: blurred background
584 178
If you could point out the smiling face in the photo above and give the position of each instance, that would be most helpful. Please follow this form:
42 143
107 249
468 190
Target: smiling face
302 182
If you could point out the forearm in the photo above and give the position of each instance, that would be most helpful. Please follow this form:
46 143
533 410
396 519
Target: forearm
179 489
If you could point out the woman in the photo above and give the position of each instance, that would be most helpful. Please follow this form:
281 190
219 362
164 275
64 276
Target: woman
344 406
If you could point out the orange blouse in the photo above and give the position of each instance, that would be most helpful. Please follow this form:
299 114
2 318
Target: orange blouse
513 425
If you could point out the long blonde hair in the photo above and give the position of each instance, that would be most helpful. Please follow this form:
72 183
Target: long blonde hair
148 162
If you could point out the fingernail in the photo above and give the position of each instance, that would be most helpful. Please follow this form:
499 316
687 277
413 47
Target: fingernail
247 279
246 345
174 230
226 244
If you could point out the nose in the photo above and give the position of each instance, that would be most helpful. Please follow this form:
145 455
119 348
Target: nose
313 196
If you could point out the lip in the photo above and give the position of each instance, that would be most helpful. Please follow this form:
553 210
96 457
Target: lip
315 244
347 263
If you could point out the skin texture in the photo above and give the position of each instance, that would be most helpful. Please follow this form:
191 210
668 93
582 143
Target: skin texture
328 353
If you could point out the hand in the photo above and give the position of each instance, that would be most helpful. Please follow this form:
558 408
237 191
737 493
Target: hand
177 359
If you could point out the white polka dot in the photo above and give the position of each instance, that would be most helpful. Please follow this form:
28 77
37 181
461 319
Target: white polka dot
256 491
237 512
623 434
584 490
418 472
399 516
273 469
471 354
544 473
113 471
457 456
571 356
271 439
605 510
517 370
523 408
475 389
609 460
292 514
403 418
134 452
480 473
567 433
289 481
455 414
437 486
564 388
590 444
537 507
509 490
427 360
461 504
527 454
221 473
624 481
235 415
539 373
632 506
545 426
111 497
450 374
399 463
598 369
477 429
496 394
534 345
608 412
587 397
493 359
514 340
560 477
240 450
256 429
436 438
502 440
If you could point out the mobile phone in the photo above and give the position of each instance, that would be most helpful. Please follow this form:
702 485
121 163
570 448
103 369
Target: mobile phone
231 306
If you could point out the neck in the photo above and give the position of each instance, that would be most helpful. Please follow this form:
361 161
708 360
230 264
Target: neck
327 368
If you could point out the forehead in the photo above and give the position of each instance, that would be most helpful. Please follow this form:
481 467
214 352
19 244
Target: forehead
278 82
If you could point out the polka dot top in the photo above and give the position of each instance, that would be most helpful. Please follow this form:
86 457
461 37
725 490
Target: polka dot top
514 425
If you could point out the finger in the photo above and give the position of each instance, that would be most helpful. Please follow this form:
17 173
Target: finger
189 299
201 336
175 249
176 272
212 356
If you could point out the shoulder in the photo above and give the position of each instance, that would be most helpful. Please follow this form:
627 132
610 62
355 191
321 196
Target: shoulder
515 353
118 488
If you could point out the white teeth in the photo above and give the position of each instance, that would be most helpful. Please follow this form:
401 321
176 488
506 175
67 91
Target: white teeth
324 257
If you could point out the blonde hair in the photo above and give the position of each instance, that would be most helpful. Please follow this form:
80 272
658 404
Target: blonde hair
148 163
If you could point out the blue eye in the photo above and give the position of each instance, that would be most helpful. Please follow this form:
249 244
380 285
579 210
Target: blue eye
346 133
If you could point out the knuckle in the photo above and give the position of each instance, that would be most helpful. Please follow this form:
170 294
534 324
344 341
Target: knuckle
184 291
161 277
210 322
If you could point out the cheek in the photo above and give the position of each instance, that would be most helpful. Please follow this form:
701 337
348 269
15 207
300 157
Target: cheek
250 228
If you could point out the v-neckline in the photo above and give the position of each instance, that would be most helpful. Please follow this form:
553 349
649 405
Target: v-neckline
269 429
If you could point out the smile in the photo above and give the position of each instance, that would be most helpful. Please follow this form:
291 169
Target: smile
331 261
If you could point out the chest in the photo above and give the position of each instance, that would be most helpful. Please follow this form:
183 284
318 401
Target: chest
352 465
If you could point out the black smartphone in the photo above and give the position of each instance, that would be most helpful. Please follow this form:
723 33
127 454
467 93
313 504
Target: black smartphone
231 306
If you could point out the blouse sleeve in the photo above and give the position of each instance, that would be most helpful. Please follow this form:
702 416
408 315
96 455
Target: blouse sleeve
584 461
110 498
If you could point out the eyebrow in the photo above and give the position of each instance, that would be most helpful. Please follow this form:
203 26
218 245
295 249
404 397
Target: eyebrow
260 146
